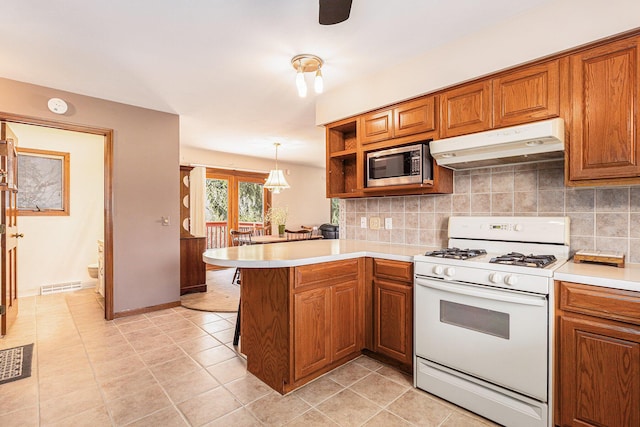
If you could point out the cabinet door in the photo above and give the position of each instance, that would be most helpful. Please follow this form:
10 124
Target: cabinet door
466 109
376 127
527 95
604 132
414 117
345 332
312 316
393 320
599 373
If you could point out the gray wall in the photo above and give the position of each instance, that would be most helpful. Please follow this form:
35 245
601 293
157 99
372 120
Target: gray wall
604 218
146 267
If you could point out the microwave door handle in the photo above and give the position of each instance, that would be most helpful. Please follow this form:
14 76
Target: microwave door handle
538 301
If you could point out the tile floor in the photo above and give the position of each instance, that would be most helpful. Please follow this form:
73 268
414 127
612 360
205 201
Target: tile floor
177 367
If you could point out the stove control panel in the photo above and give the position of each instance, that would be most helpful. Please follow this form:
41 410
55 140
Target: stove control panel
517 281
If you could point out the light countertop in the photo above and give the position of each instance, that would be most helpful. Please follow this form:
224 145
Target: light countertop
627 278
292 254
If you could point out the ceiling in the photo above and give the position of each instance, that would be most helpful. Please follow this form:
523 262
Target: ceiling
224 66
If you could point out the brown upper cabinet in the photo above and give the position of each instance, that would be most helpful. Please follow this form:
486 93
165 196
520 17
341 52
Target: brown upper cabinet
521 96
605 87
466 109
343 169
408 118
594 88
527 95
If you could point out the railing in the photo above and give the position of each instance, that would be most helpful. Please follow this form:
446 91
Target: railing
218 232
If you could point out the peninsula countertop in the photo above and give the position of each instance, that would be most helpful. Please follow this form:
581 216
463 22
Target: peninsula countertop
293 254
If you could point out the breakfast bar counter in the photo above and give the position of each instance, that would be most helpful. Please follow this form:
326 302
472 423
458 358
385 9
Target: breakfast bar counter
307 306
303 252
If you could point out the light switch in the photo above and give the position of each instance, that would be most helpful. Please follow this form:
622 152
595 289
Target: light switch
363 222
388 224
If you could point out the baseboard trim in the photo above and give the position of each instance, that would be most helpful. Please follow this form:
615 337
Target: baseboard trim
143 310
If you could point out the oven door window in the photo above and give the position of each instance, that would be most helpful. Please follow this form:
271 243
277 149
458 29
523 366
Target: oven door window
477 319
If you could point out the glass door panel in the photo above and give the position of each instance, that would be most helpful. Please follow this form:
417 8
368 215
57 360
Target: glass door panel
250 205
217 211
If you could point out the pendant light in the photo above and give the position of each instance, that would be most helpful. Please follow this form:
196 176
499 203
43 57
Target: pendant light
306 63
276 182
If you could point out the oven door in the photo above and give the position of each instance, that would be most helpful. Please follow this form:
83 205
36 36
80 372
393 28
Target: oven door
496 335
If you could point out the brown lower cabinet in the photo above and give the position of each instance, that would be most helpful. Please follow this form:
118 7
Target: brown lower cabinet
597 356
391 302
193 274
300 322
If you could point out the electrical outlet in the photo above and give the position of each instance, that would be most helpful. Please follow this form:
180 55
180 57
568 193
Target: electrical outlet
363 222
374 223
388 224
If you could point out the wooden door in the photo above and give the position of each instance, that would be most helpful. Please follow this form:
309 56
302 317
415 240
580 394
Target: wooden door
605 87
393 320
466 109
9 245
527 95
345 332
312 331
599 373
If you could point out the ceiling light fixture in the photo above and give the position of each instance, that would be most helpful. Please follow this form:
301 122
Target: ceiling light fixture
276 182
306 63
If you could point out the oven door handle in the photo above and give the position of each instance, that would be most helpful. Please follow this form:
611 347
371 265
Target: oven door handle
538 301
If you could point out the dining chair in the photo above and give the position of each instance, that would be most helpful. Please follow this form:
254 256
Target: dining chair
258 231
313 230
239 238
303 234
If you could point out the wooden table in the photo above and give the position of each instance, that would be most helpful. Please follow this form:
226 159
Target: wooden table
258 240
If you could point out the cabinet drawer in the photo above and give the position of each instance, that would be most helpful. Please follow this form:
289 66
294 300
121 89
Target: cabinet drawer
601 302
315 273
395 270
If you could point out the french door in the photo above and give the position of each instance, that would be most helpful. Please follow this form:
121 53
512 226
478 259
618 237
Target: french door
234 200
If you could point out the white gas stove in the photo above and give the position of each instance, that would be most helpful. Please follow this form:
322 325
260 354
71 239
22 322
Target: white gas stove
483 317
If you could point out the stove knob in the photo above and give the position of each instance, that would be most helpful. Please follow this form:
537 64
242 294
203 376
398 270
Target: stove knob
437 270
495 277
450 272
511 280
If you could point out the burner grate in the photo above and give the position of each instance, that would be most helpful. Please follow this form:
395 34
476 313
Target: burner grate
456 253
516 258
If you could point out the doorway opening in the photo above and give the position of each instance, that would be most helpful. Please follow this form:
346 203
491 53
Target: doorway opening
107 135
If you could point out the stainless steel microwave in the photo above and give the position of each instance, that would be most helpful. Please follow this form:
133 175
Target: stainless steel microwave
410 164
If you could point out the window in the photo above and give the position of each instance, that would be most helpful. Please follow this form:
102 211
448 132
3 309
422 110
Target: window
43 182
335 211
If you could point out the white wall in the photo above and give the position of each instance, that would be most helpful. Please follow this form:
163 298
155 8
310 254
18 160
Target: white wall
306 199
553 27
57 249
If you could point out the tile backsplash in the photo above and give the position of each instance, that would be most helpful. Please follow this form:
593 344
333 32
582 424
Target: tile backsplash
604 218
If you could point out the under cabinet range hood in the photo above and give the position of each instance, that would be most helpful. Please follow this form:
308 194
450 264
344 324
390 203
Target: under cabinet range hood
532 142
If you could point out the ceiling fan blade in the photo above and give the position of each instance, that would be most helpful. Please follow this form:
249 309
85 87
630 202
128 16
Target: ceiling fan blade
334 11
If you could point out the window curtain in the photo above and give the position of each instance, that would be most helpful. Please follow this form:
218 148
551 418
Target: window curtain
197 198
